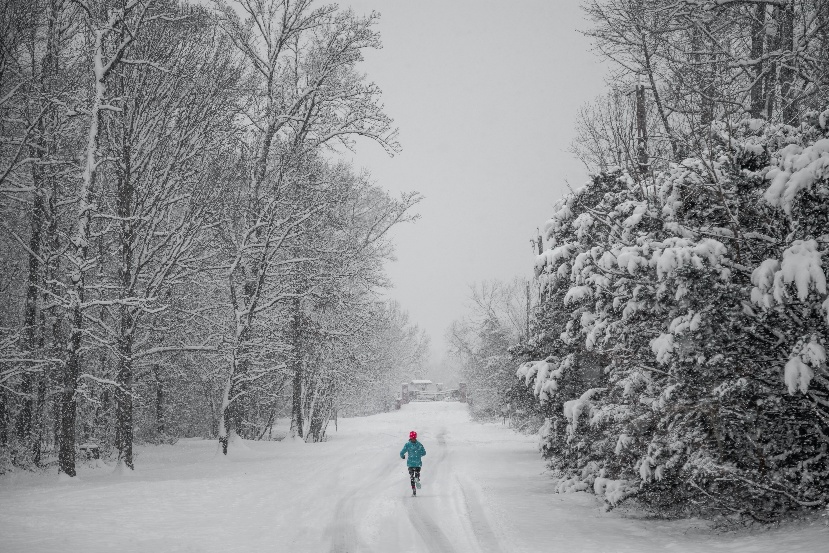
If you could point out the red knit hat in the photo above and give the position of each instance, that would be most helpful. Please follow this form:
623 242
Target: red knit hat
412 435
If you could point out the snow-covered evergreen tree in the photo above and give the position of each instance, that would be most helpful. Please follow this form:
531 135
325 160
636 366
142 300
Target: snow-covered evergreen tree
700 296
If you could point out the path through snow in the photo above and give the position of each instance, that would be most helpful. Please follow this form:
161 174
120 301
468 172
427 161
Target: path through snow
483 490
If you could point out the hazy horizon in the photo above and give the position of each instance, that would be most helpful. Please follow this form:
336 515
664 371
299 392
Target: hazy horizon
466 82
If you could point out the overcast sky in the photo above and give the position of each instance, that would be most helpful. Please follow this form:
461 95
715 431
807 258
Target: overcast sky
485 95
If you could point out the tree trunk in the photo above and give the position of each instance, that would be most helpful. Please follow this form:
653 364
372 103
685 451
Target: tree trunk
159 401
311 412
788 93
30 316
758 37
705 72
126 327
296 370
296 401
771 80
224 417
57 425
232 412
268 425
231 415
4 425
244 308
657 99
37 422
708 90
56 321
123 409
641 132
78 261
66 434
33 329
210 398
321 413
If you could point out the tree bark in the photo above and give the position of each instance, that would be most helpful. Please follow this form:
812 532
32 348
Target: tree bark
788 93
126 327
296 370
76 288
159 401
37 422
30 316
758 37
4 425
771 80
231 413
79 263
657 99
641 132
33 327
123 400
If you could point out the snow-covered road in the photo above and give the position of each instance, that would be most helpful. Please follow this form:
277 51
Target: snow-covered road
483 490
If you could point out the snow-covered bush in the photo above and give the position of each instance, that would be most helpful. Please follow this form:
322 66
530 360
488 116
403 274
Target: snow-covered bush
683 328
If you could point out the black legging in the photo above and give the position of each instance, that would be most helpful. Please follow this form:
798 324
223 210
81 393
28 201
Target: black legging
414 472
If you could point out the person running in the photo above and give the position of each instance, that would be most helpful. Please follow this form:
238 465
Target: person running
415 450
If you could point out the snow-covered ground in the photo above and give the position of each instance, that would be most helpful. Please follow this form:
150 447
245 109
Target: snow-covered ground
484 489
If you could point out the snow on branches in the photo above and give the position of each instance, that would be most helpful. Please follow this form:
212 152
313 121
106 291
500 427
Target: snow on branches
698 307
798 169
801 266
806 356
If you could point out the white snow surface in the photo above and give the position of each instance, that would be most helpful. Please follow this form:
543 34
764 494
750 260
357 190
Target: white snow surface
484 489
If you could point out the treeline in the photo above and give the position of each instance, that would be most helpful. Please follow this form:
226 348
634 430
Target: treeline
182 252
678 350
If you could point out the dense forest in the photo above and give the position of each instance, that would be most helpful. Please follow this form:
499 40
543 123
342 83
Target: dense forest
675 356
184 252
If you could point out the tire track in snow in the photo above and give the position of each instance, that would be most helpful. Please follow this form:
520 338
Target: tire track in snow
443 453
474 512
343 530
429 531
470 508
488 540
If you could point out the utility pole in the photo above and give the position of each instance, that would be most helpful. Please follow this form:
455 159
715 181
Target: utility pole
528 312
538 243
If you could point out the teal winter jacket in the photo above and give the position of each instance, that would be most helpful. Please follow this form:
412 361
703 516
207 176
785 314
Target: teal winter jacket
416 451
